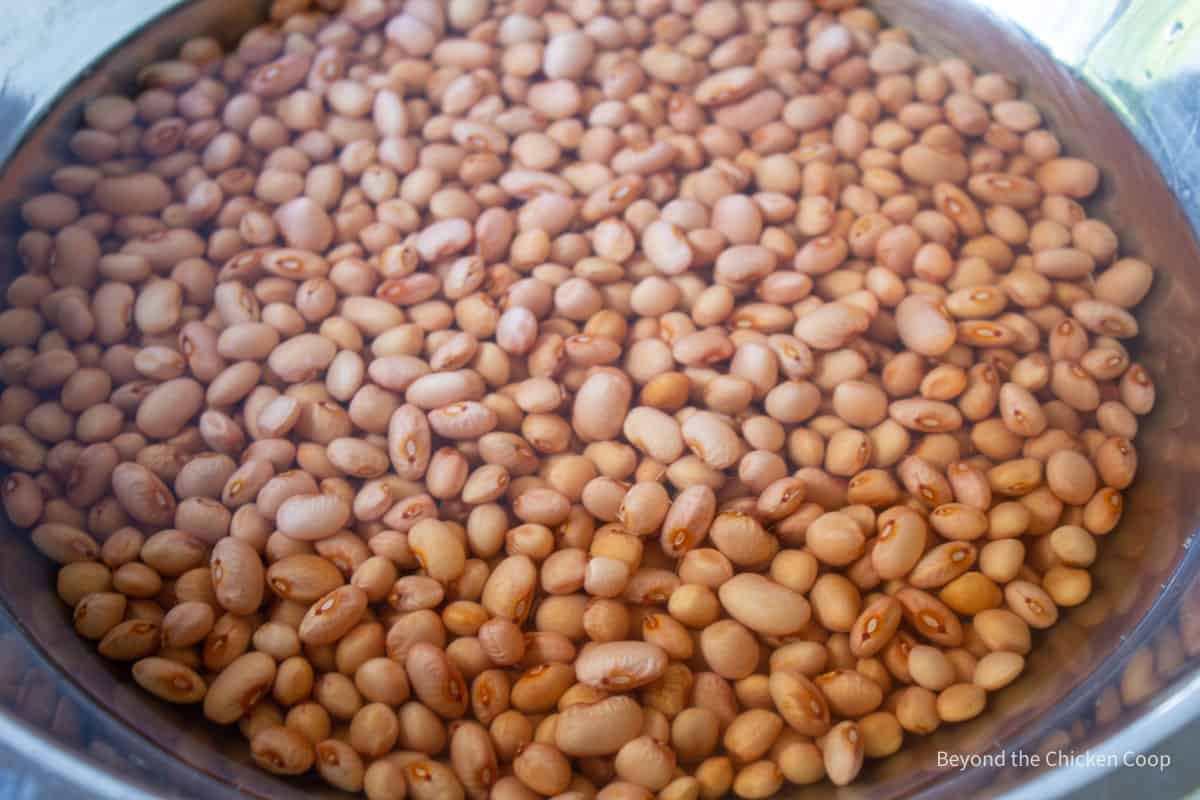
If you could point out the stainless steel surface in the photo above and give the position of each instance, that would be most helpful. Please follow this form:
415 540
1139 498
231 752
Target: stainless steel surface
1139 121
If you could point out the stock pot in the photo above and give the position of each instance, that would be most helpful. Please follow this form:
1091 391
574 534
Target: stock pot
1116 677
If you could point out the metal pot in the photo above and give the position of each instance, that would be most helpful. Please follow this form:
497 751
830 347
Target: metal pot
1115 676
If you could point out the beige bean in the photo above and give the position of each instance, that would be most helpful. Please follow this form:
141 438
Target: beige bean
1124 283
23 502
436 681
1071 477
1070 176
186 624
707 435
238 687
131 640
644 508
688 519
339 765
508 592
543 768
925 325
850 693
763 605
238 576
874 627
1105 319
998 669
332 616
168 407
800 702
169 680
620 665
831 325
440 553
283 751
96 614
600 728
654 433
930 617
601 405
1022 414
310 517
741 539
835 538
730 649
843 753
960 702
143 495
1031 603
1002 630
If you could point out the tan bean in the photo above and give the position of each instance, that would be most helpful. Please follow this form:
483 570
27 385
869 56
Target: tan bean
186 624
244 483
310 517
644 508
1002 630
742 539
143 494
333 615
1124 283
971 593
282 751
800 702
751 734
730 649
601 405
620 665
850 693
960 702
763 605
926 416
339 765
930 617
82 578
688 519
1031 603
238 687
169 680
654 433
942 564
925 326
436 681
542 507
1103 511
508 593
439 552
64 544
96 614
1070 176
835 538
843 753
996 670
131 640
22 499
874 627
600 728
238 576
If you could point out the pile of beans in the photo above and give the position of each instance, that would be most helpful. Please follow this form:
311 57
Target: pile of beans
614 398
